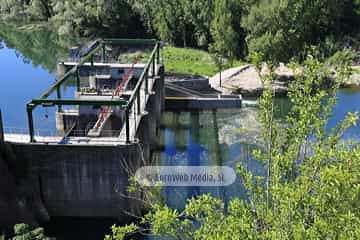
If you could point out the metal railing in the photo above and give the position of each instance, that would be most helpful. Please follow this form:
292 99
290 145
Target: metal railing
15 134
105 133
25 131
133 107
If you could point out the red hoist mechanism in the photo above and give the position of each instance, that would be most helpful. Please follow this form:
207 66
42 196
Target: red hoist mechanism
117 92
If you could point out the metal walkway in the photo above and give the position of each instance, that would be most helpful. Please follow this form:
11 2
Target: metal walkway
131 103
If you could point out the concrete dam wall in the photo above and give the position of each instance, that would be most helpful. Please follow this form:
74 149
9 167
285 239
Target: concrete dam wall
82 181
39 181
19 201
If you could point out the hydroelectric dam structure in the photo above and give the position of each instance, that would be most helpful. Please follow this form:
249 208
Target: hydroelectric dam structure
104 132
104 129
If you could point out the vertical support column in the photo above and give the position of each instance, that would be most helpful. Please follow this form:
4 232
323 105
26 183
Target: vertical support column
158 53
146 82
58 93
162 86
77 80
103 53
127 122
29 108
92 64
219 160
138 102
2 139
153 67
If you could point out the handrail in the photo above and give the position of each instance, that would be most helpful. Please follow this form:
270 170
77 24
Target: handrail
136 92
130 41
127 104
70 72
146 69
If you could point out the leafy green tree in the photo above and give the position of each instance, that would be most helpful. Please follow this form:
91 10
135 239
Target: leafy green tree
227 42
200 13
281 29
311 188
40 9
145 10
225 37
170 21
180 22
25 232
87 17
10 9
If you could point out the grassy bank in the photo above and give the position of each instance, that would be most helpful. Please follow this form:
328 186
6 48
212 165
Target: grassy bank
192 61
183 60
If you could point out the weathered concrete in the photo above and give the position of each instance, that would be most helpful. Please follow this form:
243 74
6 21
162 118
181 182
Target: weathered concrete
246 81
19 199
196 103
82 181
194 82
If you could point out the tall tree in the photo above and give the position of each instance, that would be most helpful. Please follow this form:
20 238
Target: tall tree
224 36
282 29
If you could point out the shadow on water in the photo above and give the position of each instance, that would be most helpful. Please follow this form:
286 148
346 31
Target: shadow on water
78 228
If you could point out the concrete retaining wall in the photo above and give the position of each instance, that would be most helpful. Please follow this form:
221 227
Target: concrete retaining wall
82 181
19 201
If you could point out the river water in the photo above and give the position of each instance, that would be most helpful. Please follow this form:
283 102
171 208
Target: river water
187 138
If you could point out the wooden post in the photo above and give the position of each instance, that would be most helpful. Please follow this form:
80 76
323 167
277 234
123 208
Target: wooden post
2 139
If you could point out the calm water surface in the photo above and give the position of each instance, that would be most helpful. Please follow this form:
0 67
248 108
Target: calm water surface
187 138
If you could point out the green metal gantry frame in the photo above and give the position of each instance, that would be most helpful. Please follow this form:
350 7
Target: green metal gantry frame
44 101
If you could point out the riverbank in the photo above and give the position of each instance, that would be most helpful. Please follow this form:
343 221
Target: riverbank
242 78
245 80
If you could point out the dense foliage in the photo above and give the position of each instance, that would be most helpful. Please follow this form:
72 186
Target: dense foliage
25 232
283 29
311 187
277 29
